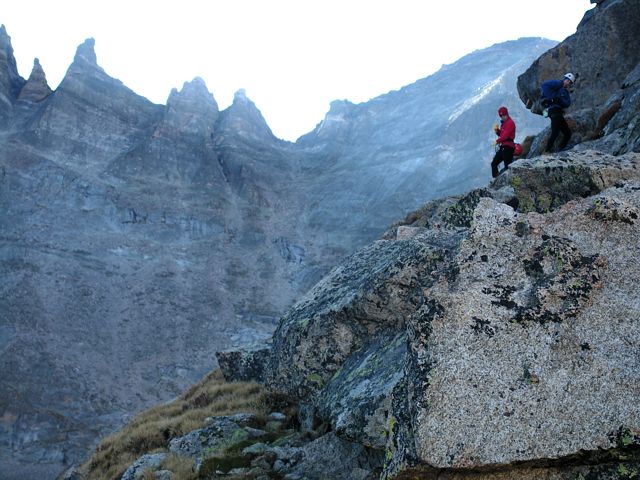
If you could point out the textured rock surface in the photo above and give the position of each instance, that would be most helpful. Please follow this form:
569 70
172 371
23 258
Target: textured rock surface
245 365
626 470
538 360
357 400
137 469
544 183
224 432
333 457
617 130
371 293
10 81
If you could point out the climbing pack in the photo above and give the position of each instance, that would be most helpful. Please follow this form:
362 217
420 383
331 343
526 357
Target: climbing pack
549 92
517 150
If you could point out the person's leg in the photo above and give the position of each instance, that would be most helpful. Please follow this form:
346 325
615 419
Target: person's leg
507 156
494 163
555 130
566 132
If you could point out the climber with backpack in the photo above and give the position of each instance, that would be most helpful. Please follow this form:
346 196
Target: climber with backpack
505 144
555 98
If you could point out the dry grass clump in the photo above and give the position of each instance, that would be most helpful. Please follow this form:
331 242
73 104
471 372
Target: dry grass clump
151 430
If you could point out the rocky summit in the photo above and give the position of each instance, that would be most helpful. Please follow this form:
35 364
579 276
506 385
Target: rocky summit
489 334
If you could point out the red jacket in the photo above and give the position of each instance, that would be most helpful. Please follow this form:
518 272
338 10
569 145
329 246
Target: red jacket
507 133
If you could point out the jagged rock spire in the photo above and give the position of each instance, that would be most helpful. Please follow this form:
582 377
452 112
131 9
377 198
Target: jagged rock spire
84 65
10 81
86 53
190 110
243 117
36 88
193 96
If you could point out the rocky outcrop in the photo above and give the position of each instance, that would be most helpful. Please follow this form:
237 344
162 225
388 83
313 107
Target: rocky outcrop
179 147
36 89
535 362
368 295
357 399
244 119
88 97
616 129
150 461
10 81
190 111
246 365
520 336
520 345
598 53
545 183
605 99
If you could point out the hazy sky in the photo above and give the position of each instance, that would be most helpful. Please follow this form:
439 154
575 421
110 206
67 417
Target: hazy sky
293 57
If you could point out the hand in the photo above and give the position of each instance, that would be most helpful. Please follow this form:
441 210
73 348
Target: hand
495 142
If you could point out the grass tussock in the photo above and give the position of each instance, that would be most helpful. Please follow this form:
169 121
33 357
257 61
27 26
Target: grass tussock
152 430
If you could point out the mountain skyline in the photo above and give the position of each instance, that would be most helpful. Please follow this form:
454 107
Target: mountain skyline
292 59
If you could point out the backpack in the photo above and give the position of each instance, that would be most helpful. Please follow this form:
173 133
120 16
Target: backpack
549 92
517 150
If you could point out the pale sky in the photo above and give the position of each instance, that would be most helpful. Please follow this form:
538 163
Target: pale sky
293 57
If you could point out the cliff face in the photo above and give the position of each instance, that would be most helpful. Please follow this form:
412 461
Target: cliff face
137 239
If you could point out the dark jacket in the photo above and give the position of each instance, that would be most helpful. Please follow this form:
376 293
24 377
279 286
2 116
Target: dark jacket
554 95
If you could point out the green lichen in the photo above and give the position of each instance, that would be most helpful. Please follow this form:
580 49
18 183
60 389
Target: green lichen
388 455
627 473
544 202
525 205
314 378
391 423
627 438
516 181
239 437
303 323
273 426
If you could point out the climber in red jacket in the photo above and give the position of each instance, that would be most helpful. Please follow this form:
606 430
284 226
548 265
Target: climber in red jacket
506 134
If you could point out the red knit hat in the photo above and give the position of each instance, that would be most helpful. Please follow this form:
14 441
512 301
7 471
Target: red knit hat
503 111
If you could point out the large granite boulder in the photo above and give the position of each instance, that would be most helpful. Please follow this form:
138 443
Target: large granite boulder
617 130
370 294
527 352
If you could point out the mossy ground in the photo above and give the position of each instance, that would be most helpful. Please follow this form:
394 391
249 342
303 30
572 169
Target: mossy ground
152 430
